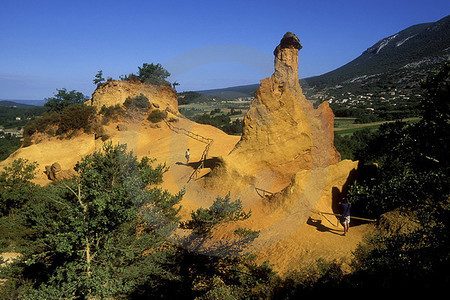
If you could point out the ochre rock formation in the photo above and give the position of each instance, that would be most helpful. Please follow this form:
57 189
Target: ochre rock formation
56 173
115 92
282 131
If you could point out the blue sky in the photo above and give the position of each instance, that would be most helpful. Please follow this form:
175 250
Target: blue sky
48 45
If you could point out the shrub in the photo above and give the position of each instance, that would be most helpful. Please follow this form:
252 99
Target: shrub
75 117
71 118
63 98
139 102
157 116
111 113
153 74
150 73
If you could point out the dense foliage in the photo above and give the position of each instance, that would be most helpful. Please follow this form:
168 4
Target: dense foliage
192 97
106 234
71 118
17 115
150 73
111 113
66 113
98 235
8 144
350 146
64 98
222 122
137 103
156 116
413 177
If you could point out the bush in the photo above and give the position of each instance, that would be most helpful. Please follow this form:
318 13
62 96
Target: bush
139 102
111 113
63 98
157 116
149 73
71 118
153 74
75 117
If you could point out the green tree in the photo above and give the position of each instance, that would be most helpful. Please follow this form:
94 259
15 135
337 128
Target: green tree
64 98
98 79
137 103
153 74
412 159
413 178
99 236
69 119
157 115
213 268
8 144
16 185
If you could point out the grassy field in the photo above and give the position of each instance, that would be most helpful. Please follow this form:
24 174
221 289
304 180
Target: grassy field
342 126
346 126
194 109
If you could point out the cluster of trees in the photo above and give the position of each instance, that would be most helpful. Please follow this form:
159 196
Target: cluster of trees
149 73
66 113
222 122
382 111
192 97
105 234
9 144
9 111
412 177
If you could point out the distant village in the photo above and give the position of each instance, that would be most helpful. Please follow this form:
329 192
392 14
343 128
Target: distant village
11 132
368 100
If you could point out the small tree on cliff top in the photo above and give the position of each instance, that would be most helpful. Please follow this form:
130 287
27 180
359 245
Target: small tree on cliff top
152 73
64 98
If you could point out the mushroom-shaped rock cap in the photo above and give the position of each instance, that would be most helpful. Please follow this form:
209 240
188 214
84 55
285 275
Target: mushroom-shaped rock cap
289 40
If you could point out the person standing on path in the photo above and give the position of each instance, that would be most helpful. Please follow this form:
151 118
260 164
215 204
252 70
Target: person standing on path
187 156
345 215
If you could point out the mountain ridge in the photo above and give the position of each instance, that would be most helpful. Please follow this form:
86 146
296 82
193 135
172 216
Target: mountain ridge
419 47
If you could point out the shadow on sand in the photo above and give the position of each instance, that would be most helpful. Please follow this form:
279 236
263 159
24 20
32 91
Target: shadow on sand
322 228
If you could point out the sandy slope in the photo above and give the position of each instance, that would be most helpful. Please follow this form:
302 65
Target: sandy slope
289 237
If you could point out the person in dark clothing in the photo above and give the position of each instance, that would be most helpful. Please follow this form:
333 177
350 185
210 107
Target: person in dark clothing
345 214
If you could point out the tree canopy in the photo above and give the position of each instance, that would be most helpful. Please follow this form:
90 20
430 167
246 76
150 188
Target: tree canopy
99 235
64 98
150 73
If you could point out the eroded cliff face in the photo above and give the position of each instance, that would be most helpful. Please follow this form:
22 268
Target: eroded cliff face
115 92
282 131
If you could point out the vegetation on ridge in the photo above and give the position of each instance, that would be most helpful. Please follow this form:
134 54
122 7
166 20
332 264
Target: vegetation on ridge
66 114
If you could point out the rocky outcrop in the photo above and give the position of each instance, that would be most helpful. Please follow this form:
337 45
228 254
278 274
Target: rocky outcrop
286 61
56 173
115 92
282 131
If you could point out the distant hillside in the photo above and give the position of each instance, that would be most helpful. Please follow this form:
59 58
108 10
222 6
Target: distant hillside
392 67
414 49
7 103
235 92
15 115
28 102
